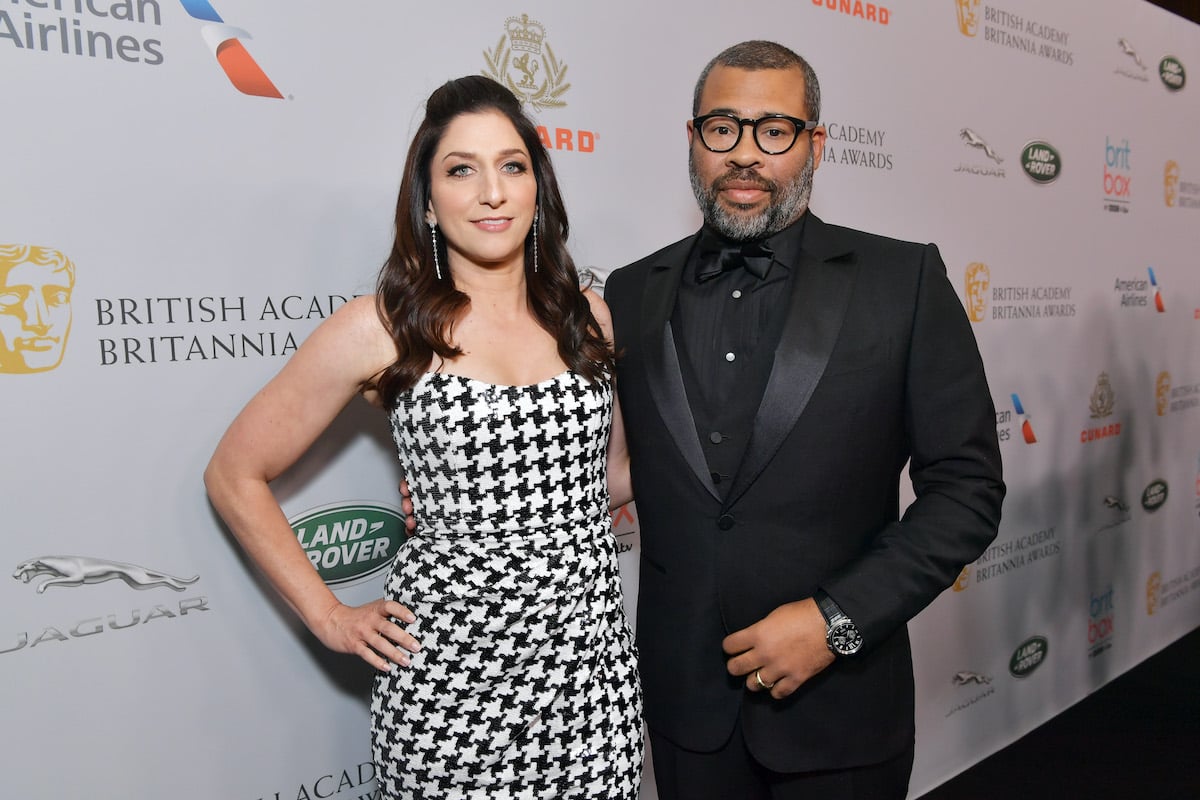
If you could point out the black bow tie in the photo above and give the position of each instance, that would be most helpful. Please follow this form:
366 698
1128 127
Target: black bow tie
718 255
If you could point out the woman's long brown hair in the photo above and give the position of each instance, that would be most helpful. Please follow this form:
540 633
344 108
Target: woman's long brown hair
420 311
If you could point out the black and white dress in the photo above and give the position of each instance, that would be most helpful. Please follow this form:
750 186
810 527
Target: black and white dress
526 684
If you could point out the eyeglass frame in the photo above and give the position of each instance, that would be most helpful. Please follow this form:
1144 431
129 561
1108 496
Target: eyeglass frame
801 126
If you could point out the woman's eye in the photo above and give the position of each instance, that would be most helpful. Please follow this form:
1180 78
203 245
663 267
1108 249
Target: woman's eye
515 167
459 171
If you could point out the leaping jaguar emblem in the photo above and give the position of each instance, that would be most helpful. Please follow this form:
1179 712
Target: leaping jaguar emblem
80 570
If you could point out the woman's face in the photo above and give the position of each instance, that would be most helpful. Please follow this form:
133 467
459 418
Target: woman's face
483 194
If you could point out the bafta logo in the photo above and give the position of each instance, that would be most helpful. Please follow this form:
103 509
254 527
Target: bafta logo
524 62
1171 183
968 16
1103 398
963 580
979 278
1162 392
1153 587
35 307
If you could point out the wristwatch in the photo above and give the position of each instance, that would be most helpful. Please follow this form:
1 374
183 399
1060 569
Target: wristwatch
841 634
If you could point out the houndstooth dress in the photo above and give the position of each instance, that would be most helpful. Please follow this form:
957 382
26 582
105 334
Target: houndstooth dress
526 682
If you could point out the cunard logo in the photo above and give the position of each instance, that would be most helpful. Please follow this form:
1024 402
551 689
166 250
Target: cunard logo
524 62
1100 406
1103 398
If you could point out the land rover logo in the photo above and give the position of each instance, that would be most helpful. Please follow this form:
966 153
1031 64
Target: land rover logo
348 541
1170 69
1154 495
1041 162
1028 656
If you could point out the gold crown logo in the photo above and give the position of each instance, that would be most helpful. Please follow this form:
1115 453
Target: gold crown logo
1103 398
525 33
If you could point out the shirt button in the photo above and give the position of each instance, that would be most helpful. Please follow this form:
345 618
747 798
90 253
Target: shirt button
730 356
737 293
725 522
715 437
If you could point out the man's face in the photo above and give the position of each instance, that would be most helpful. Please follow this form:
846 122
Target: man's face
745 193
35 317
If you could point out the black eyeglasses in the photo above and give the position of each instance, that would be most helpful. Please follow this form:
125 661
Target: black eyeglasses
774 134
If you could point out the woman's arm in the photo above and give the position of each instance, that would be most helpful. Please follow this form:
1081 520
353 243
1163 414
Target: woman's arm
274 429
620 487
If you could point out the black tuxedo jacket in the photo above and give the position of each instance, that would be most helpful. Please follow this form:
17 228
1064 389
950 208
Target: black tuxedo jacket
876 365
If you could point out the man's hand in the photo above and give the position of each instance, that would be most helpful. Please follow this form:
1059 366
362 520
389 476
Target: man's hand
782 650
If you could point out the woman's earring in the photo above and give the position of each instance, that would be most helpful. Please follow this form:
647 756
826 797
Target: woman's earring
536 215
437 266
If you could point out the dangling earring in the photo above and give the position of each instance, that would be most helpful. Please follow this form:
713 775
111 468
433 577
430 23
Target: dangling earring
536 215
437 266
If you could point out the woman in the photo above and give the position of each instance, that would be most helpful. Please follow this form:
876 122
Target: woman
507 668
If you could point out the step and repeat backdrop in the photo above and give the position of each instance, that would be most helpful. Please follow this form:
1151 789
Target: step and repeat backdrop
189 188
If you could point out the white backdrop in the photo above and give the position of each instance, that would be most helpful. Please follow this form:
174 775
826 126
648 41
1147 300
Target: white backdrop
222 177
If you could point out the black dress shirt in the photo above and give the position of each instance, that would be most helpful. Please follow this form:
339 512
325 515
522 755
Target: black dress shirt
726 329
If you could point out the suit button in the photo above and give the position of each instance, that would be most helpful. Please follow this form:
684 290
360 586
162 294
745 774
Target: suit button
716 477
725 522
715 437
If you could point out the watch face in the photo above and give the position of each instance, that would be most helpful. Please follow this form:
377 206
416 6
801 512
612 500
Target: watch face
844 638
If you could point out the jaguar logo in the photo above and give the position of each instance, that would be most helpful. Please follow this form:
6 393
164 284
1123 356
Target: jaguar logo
973 139
1128 50
80 570
965 678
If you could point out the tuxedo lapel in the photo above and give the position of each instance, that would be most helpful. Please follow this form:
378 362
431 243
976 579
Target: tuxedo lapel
816 308
663 373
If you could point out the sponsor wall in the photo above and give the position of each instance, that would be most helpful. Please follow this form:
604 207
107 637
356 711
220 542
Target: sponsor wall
190 188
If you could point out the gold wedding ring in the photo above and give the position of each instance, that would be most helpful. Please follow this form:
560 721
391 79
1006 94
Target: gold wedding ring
767 686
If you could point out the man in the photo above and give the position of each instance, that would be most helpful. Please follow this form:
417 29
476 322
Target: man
775 375
35 307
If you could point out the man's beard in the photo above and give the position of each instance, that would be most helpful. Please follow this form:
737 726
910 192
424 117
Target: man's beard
786 203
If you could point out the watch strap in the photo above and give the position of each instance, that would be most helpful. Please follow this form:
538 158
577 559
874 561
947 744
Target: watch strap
829 609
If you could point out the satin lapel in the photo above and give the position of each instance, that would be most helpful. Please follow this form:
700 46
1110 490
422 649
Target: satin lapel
662 364
817 307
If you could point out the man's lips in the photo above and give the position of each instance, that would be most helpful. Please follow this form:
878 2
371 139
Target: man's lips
742 190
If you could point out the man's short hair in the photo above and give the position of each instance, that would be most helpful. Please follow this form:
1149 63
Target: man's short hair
758 54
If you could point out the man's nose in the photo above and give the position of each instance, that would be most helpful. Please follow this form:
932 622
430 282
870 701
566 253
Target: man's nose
746 153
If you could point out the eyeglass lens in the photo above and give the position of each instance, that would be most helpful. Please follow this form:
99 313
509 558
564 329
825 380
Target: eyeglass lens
773 135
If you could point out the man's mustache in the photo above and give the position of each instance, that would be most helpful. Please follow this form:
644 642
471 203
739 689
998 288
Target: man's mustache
744 177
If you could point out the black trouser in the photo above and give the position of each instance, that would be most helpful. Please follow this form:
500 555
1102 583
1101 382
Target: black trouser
732 773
